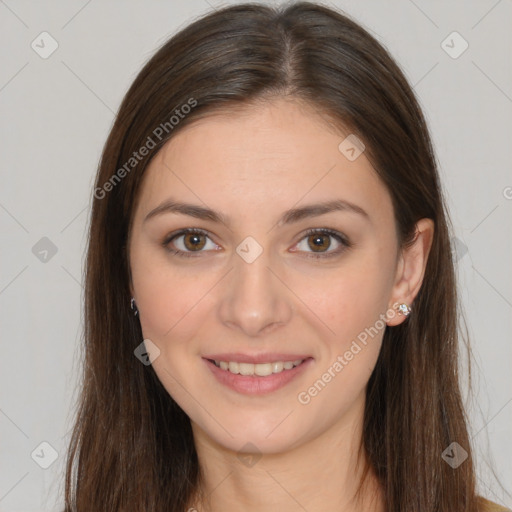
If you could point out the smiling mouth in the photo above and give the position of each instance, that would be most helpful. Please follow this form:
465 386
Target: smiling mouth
258 369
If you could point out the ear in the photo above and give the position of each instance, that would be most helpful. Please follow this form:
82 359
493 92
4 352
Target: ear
411 269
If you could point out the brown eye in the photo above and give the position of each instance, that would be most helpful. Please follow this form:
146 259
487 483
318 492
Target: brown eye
319 242
194 241
189 242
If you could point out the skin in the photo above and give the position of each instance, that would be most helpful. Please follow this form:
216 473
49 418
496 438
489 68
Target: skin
252 165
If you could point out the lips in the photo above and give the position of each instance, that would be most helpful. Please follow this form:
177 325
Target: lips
260 369
256 374
267 357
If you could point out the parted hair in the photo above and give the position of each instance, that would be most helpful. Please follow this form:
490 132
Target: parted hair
132 447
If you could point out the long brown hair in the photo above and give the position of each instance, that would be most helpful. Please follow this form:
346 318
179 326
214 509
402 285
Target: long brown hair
132 447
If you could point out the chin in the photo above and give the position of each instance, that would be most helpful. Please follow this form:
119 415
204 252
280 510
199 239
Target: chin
253 432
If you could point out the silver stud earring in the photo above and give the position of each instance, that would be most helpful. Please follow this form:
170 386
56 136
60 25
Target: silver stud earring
134 307
404 309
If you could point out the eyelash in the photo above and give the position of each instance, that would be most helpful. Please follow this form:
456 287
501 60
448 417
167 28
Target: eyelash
338 236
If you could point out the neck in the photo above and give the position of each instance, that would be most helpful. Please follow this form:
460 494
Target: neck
321 474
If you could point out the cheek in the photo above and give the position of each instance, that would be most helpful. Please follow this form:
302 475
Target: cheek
350 303
347 299
166 296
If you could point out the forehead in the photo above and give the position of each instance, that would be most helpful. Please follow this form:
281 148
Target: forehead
259 160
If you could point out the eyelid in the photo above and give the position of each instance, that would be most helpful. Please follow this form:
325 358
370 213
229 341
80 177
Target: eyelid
181 232
340 237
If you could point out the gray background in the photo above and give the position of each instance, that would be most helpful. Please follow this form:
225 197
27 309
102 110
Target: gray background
55 117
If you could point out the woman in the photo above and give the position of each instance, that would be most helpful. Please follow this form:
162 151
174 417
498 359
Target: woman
268 218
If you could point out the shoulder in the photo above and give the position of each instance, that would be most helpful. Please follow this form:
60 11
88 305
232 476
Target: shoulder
490 506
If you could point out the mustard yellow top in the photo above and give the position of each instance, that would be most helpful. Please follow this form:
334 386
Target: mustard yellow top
490 506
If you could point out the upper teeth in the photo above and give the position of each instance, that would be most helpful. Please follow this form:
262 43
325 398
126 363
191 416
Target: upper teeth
260 369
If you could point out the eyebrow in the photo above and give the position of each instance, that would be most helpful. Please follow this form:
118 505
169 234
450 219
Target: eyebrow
289 217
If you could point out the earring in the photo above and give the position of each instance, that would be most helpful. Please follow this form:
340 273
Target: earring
403 309
134 307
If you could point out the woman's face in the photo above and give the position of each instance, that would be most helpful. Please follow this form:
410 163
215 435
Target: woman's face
253 289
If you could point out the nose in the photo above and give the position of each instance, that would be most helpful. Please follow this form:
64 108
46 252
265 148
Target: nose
253 299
